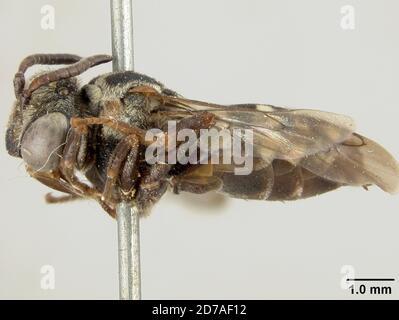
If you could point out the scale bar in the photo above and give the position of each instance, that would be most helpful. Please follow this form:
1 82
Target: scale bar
371 279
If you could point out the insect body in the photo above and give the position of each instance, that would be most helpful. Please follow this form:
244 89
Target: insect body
100 130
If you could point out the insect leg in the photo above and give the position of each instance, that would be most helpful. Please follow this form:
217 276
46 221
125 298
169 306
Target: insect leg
197 185
202 120
152 186
154 182
53 180
129 173
194 178
123 165
68 164
50 198
120 126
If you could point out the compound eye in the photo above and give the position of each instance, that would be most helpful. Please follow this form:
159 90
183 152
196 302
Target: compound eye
43 142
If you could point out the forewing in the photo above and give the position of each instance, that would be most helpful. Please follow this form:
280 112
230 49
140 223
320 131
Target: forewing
357 161
278 133
321 143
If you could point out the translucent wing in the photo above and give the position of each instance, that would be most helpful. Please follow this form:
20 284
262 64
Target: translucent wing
296 153
357 161
278 132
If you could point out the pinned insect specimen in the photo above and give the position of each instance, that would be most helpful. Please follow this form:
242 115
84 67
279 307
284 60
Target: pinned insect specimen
64 132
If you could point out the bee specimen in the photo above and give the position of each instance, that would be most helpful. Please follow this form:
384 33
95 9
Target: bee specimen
90 141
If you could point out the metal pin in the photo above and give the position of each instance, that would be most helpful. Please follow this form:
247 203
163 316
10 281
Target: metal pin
127 214
122 34
129 251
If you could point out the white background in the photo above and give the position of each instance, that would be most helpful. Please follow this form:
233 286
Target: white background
287 53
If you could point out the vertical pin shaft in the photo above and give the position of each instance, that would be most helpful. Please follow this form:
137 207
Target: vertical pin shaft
127 213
